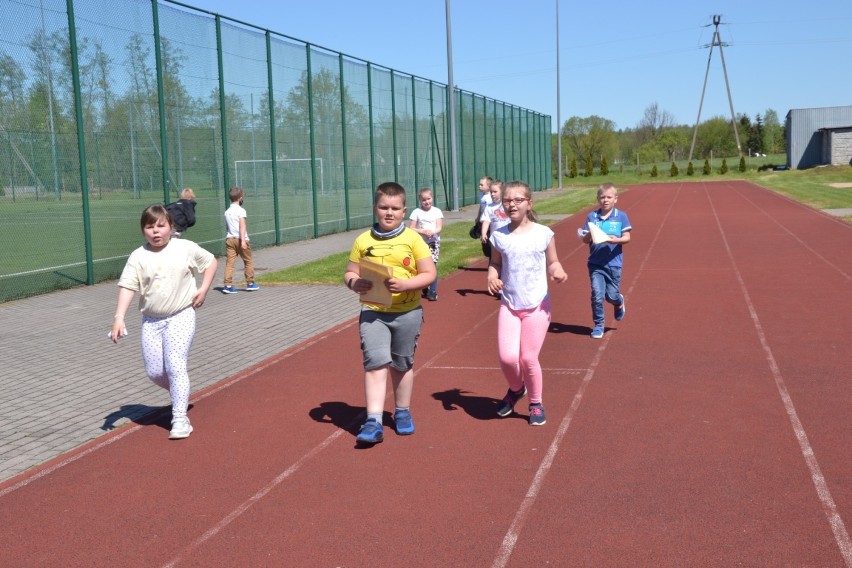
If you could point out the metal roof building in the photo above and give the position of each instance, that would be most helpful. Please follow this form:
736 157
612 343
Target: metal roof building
819 136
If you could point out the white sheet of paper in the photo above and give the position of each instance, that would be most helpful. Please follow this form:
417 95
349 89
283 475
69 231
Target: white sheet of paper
377 274
598 234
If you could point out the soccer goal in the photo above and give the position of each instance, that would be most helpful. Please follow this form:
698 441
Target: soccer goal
294 172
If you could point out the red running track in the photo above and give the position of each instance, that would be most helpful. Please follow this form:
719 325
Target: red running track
710 427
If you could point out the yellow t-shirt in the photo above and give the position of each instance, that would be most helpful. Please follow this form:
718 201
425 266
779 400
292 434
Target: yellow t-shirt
165 279
401 253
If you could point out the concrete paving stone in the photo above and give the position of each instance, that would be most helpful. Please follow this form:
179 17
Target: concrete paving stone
15 462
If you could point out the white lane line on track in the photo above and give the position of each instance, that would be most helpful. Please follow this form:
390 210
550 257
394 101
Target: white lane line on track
557 370
313 452
236 513
48 470
794 236
829 507
504 553
204 394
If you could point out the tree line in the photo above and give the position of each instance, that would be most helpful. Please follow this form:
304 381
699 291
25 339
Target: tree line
594 143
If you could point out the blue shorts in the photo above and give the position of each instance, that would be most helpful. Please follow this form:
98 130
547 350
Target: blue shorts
390 338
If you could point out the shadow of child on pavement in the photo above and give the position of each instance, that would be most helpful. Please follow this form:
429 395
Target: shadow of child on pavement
479 407
141 414
556 327
341 414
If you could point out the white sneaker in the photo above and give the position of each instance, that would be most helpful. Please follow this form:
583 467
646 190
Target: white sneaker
181 428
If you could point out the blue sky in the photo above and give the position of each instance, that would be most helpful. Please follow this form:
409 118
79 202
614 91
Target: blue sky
616 57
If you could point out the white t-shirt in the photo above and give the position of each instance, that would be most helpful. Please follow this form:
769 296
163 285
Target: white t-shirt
232 220
484 201
524 270
428 221
496 215
165 279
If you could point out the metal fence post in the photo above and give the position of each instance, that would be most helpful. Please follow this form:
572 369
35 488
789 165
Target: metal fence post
342 84
223 114
310 81
81 144
161 100
273 142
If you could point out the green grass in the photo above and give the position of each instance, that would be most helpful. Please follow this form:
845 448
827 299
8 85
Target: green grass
812 187
627 174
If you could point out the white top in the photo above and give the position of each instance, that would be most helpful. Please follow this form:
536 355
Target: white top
165 279
428 221
484 201
496 215
524 270
232 220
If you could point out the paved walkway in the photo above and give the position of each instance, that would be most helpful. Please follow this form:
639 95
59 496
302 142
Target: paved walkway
65 383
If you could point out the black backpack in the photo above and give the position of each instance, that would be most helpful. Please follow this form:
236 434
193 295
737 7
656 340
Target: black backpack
182 213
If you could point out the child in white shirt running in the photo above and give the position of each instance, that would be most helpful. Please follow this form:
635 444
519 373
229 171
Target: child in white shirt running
428 220
523 257
163 272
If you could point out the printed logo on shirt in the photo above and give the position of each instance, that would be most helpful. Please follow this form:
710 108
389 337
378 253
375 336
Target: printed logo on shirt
610 227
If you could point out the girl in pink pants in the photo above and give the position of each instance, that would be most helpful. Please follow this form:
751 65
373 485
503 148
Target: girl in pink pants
523 257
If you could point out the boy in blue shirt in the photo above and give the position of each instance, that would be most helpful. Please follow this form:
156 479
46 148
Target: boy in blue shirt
605 259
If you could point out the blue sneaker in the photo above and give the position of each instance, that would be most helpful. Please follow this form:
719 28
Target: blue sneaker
537 417
621 310
507 405
252 287
598 332
404 423
229 290
371 432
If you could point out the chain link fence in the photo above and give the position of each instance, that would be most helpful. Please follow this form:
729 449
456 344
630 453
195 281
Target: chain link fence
107 107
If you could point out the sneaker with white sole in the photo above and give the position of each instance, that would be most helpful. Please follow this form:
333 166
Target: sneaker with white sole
598 332
181 428
252 287
537 417
229 290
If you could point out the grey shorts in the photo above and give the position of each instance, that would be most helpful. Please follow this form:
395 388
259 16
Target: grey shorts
390 338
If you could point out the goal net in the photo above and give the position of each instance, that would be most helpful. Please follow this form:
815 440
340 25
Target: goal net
293 172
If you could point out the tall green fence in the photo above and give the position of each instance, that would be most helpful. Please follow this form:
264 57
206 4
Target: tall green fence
107 106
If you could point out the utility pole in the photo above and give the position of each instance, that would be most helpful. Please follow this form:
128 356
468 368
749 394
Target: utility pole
451 99
558 114
717 40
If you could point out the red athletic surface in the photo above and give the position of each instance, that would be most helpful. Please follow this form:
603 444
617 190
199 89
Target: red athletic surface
711 426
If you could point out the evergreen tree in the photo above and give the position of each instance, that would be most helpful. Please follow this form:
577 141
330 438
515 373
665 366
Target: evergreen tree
604 166
706 169
724 169
589 166
690 169
674 171
573 170
742 164
654 171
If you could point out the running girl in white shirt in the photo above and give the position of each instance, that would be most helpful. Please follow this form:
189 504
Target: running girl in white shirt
163 272
523 257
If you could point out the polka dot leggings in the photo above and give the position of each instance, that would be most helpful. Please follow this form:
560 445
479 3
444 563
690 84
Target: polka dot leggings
165 351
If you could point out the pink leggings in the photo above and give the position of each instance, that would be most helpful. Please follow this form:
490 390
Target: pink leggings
520 335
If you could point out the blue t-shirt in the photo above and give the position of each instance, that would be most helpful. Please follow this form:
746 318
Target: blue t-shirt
607 254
